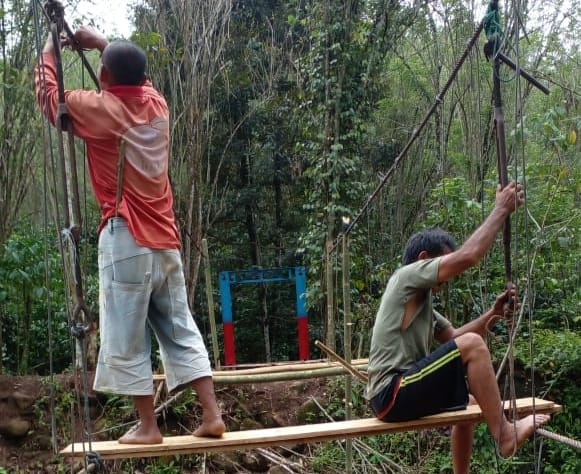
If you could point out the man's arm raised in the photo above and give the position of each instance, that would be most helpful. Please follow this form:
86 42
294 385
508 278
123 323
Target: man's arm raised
478 244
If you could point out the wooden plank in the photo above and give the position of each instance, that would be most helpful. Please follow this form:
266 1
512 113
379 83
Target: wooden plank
292 435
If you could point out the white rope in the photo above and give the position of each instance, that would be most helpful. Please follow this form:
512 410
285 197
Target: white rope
562 439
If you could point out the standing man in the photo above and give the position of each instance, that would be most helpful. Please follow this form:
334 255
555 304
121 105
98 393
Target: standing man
141 281
406 381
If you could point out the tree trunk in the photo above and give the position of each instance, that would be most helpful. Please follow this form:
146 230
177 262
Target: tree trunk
193 36
18 138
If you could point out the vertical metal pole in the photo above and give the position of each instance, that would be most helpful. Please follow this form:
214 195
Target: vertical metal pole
227 322
302 313
347 343
502 166
210 297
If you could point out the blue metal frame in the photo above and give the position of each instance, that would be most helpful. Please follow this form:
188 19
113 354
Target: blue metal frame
266 275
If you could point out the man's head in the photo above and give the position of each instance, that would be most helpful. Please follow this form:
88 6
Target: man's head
123 64
428 243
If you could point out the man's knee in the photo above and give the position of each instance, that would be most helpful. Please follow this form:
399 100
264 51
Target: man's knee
469 343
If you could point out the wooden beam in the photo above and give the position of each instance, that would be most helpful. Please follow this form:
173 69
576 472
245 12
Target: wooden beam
293 435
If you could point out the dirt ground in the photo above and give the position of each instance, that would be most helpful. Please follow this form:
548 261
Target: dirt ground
26 444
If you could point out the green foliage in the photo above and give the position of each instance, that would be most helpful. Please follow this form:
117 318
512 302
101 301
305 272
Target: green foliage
453 207
61 408
23 298
161 467
31 286
329 458
556 356
185 403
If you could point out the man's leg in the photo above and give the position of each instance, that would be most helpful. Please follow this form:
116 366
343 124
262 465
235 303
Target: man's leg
124 366
147 431
212 424
183 352
461 441
509 435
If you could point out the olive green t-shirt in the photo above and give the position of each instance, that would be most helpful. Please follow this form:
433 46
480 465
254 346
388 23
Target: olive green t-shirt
394 350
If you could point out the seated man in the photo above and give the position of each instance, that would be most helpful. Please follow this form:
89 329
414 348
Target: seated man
406 381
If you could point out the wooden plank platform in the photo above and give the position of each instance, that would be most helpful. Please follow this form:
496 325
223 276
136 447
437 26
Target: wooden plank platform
292 435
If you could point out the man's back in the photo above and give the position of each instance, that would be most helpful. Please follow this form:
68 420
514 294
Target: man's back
139 117
394 350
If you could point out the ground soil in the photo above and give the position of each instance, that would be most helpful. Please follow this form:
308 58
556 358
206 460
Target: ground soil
25 406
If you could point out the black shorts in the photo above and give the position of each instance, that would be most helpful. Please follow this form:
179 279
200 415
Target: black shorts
435 384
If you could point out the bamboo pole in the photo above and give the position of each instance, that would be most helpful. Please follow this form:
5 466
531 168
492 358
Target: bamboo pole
279 376
289 367
210 296
349 367
330 339
282 373
347 340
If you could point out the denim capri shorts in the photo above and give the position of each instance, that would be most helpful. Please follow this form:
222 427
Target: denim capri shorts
143 290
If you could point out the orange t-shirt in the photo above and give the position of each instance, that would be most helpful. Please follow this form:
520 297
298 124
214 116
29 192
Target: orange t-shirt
139 116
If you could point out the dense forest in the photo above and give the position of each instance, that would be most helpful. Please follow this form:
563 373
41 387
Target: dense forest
292 117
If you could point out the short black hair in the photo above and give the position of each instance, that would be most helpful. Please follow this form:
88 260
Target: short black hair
433 240
126 63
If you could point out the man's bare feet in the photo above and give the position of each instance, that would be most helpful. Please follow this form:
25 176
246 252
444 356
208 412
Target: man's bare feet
513 436
141 435
213 428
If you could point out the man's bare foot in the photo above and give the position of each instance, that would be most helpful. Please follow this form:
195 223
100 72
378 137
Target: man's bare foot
142 435
515 434
213 428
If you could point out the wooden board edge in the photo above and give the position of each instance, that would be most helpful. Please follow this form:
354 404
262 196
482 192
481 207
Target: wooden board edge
284 436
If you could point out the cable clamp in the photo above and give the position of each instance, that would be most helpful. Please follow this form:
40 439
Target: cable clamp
94 458
79 331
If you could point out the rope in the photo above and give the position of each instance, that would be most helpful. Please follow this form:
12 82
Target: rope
573 443
491 22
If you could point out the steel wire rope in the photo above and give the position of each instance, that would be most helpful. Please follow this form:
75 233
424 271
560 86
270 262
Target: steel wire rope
529 278
53 428
90 458
528 308
416 132
520 140
482 269
49 159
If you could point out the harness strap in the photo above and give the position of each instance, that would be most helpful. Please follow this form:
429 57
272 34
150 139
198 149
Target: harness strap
120 172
